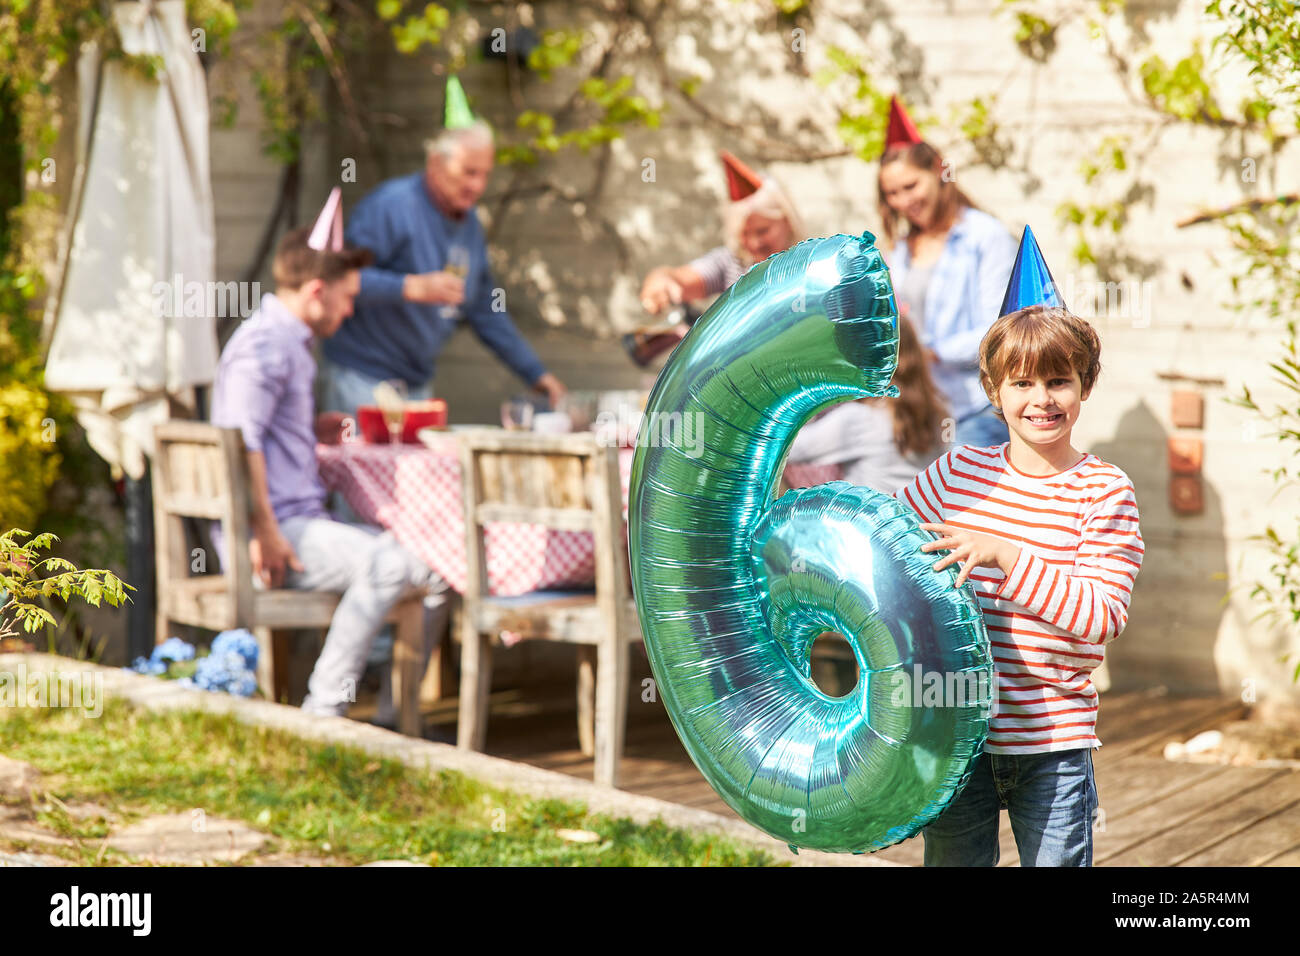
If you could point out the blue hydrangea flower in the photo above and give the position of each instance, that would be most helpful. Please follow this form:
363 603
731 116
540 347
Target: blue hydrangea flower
246 685
226 671
215 671
239 641
145 665
173 649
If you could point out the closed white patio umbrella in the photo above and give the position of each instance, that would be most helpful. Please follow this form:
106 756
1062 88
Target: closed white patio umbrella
139 237
140 219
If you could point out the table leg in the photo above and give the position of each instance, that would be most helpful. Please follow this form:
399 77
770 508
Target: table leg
475 690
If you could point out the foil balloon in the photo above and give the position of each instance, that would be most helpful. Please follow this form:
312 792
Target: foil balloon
733 587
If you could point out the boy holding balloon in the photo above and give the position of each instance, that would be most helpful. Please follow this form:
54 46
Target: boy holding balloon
1049 537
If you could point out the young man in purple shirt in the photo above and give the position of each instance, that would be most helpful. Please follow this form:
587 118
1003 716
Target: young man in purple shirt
264 388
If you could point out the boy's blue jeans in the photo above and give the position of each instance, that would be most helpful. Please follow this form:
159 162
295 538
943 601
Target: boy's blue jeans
1051 799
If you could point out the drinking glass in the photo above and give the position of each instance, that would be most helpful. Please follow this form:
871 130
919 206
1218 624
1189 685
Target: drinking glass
457 264
390 396
580 406
517 415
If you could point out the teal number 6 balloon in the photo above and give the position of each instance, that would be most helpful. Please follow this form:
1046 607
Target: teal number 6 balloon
732 587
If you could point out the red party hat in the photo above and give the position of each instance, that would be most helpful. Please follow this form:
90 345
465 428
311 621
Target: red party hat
741 180
902 131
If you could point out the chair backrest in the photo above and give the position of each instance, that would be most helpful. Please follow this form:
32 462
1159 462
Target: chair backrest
199 472
567 482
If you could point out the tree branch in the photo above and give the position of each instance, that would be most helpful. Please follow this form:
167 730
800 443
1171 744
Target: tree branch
336 71
1244 205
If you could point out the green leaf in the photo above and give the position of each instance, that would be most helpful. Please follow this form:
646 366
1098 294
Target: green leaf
1083 253
437 17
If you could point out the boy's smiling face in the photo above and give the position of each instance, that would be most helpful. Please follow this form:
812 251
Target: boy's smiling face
1041 408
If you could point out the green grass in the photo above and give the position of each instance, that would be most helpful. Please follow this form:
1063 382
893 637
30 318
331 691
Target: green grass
332 802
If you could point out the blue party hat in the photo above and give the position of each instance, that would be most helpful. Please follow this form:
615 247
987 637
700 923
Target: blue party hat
1031 281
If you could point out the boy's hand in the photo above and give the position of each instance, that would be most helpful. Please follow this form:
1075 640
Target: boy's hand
974 550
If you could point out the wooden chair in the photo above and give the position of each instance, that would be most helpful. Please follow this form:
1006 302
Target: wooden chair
199 471
566 482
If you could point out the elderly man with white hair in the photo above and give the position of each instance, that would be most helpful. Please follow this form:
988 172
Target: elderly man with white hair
430 275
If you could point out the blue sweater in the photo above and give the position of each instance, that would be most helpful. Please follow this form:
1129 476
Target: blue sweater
388 337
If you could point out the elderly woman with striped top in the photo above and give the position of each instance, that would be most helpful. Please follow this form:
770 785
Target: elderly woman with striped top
759 222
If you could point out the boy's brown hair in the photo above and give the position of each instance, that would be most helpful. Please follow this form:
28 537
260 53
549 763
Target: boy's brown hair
1038 340
297 263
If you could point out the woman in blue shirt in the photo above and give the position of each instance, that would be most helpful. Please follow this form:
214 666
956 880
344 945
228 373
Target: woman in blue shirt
950 264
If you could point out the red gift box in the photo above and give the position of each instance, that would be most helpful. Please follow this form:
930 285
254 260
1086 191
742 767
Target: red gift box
430 414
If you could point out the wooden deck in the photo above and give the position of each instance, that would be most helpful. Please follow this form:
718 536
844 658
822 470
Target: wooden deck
1153 812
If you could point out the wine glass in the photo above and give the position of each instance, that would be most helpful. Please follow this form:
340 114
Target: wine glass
457 264
517 414
390 396
580 406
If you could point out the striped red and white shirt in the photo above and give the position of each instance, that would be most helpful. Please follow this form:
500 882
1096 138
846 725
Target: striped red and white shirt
1067 596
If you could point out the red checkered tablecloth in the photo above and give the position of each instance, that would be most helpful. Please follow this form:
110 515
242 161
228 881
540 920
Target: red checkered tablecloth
415 492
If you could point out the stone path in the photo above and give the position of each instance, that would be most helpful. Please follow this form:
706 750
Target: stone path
182 838
191 838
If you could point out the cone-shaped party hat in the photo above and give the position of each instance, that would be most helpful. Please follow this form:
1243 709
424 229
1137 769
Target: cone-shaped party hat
741 180
1031 281
327 234
901 131
456 111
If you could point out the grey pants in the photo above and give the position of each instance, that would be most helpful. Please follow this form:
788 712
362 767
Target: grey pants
373 572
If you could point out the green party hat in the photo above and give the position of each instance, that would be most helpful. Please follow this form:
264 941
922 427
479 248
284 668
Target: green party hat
456 112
